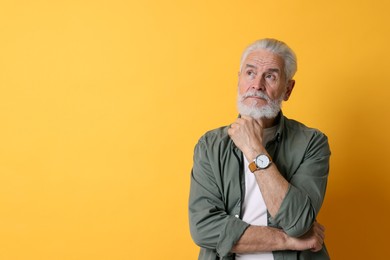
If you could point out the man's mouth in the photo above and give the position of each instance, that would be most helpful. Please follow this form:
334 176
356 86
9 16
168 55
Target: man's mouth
258 97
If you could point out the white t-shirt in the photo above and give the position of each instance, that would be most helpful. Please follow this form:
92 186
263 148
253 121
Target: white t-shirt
254 210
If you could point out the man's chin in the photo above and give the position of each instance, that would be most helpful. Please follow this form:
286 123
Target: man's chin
259 113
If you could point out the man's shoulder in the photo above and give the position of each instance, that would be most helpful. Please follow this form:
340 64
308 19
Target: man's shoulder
295 126
216 136
298 134
215 143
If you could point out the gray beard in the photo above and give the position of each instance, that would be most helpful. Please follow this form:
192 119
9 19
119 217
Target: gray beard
271 110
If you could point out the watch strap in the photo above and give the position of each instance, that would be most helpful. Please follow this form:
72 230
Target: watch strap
253 167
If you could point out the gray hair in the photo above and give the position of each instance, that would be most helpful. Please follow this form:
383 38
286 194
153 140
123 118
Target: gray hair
277 47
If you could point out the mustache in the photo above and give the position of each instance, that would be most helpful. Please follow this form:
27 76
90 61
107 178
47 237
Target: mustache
255 93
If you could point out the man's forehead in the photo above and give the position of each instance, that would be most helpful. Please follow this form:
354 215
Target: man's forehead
263 58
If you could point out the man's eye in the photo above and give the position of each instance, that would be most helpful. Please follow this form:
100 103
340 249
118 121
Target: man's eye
251 73
270 77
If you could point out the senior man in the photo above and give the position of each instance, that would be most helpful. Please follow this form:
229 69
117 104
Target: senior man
258 184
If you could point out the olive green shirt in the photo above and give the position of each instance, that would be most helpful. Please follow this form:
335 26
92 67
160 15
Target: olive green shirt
301 154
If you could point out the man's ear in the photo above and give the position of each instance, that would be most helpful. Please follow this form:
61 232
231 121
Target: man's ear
290 87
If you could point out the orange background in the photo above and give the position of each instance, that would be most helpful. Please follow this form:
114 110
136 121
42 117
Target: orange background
102 102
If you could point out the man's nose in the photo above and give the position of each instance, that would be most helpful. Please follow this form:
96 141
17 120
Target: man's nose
259 83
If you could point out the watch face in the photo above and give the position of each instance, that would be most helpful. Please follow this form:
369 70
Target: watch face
262 161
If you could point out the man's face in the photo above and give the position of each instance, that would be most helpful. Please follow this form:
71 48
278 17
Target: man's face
262 85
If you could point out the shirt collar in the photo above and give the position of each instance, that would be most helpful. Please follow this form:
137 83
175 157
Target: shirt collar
279 131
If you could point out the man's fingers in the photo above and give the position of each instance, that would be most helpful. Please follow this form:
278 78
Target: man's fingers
320 230
240 121
245 117
320 226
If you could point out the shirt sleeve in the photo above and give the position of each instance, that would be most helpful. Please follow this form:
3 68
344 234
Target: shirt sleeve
307 187
210 225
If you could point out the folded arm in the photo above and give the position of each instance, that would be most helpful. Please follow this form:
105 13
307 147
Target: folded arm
266 239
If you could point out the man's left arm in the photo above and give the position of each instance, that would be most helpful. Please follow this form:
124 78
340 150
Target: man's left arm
294 204
306 189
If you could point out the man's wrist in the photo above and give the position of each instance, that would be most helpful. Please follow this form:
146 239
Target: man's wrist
285 242
253 153
261 162
288 242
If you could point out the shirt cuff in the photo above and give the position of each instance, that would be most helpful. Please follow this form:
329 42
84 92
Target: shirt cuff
296 215
230 234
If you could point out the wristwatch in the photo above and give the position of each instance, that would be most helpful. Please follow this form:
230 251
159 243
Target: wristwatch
261 162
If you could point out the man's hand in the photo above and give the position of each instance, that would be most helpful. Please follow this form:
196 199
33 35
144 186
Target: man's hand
247 135
312 240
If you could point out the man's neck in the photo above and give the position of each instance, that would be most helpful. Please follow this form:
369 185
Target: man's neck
269 122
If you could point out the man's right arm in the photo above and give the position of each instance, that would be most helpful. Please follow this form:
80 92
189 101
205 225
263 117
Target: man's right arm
211 225
261 239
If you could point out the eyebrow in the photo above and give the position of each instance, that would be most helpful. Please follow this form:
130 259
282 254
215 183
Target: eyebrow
251 66
274 70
